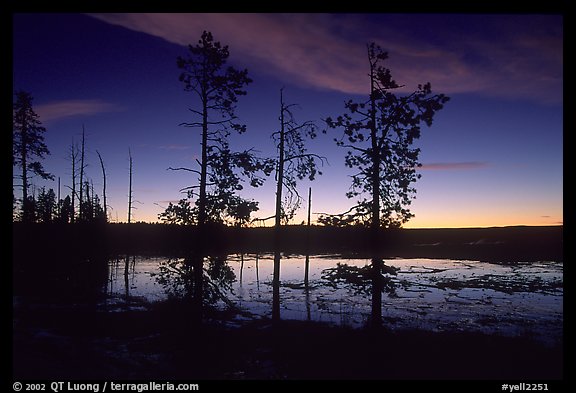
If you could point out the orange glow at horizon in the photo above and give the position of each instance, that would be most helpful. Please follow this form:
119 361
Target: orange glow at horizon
422 220
479 220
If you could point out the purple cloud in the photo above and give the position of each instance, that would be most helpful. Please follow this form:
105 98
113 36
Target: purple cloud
63 109
516 56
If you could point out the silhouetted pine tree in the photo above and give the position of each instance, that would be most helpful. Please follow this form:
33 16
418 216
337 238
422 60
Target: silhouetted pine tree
27 146
46 207
66 210
216 88
378 134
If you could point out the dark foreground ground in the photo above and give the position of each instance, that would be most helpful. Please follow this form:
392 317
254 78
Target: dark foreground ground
63 343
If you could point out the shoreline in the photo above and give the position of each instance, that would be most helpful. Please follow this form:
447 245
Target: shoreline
500 244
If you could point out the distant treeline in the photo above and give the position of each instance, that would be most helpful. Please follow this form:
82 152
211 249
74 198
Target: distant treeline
499 244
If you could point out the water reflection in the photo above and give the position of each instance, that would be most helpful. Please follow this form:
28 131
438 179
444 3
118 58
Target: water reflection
276 287
257 278
306 270
432 294
206 280
126 281
373 280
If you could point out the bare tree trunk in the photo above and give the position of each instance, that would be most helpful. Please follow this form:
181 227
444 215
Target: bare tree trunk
93 202
130 189
81 212
25 212
73 199
202 214
87 214
375 178
198 254
280 173
104 188
375 224
277 221
307 266
309 205
58 210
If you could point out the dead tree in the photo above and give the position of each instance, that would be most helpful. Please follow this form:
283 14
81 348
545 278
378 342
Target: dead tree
104 187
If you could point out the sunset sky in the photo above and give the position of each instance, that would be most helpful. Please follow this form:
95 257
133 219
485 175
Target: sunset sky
493 157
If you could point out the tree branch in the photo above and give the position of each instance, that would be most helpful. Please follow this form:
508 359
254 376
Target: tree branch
184 169
365 151
189 188
194 124
195 111
303 125
213 123
263 219
341 214
306 155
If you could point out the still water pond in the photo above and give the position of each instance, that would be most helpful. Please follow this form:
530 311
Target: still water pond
522 299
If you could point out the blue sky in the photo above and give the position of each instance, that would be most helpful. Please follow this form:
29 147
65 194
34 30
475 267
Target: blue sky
493 157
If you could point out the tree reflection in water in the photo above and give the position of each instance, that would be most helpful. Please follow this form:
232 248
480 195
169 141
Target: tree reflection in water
180 280
371 280
360 278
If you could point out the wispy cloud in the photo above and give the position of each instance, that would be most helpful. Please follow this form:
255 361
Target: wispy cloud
515 56
553 220
62 109
444 166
